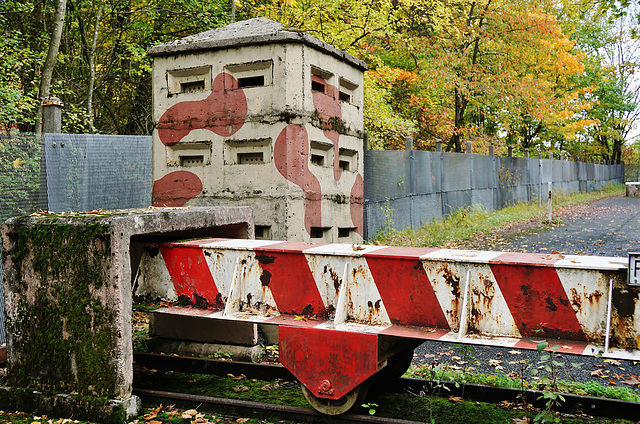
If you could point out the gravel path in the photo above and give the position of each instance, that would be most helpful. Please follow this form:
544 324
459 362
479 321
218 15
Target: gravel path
608 227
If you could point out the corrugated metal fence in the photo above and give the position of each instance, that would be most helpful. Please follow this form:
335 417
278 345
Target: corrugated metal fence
407 188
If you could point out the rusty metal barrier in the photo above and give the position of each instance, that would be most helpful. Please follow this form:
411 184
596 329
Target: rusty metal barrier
335 303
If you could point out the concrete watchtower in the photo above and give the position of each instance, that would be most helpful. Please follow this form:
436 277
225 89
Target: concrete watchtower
259 115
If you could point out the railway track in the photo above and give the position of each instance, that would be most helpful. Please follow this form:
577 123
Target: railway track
597 406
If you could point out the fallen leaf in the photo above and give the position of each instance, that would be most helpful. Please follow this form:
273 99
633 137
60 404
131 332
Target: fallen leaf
269 387
456 399
597 373
240 388
566 347
151 415
632 380
515 352
242 420
524 420
612 361
613 383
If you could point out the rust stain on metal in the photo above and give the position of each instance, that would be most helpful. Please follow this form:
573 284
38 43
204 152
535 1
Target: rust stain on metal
265 259
595 296
308 310
453 282
265 278
576 299
333 275
624 302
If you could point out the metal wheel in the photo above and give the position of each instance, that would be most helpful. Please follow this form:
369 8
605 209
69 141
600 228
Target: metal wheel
397 365
337 406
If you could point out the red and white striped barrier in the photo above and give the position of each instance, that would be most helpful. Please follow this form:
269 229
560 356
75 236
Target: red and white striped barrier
581 303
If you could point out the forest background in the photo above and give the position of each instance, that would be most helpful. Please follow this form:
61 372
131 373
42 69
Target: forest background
554 75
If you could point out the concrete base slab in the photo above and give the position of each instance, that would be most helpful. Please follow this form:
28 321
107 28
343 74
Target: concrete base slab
200 328
210 350
70 406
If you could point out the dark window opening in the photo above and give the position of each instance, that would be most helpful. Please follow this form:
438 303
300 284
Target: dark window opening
317 160
318 86
257 81
344 232
344 97
263 232
250 158
344 165
318 232
191 160
191 87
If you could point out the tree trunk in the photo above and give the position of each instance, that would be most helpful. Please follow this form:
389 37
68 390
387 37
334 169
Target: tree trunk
50 61
89 53
455 142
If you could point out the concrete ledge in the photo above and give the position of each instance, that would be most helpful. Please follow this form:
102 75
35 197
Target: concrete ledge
77 407
633 189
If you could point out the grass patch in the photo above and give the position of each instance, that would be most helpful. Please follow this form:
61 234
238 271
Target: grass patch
465 224
415 407
277 392
589 388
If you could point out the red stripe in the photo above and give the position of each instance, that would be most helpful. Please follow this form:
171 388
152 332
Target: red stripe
291 282
407 293
190 274
538 302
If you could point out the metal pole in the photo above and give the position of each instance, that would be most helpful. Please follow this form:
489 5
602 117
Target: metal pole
550 201
539 178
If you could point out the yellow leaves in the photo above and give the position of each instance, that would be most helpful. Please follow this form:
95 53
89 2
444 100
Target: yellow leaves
18 163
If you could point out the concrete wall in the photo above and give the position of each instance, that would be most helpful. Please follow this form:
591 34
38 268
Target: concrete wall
275 126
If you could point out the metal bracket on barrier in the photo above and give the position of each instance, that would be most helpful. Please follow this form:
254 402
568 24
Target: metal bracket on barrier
607 337
233 301
634 269
465 305
342 304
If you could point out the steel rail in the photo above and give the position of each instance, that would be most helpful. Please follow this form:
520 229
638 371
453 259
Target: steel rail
598 406
245 408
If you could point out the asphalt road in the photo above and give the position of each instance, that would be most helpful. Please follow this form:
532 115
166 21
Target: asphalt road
609 227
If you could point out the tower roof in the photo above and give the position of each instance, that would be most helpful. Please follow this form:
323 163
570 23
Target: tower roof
254 31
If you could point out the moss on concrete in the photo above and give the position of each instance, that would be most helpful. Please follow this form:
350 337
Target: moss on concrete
62 328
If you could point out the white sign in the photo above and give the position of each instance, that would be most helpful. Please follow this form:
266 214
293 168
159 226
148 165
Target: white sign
634 269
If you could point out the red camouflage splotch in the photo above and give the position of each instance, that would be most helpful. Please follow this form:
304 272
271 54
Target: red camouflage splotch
291 157
328 106
223 113
176 188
